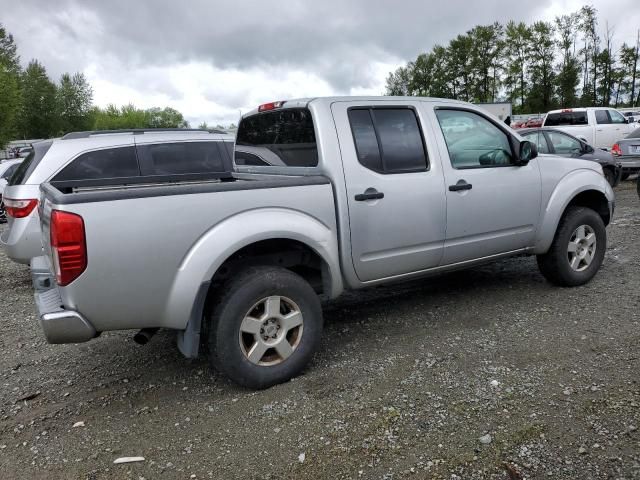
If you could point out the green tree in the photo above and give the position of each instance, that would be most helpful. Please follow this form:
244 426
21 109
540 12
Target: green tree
486 49
10 98
629 67
568 77
518 38
166 118
203 126
398 82
541 51
74 97
38 113
461 67
588 26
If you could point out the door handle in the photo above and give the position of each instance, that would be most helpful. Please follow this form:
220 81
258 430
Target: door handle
369 194
461 185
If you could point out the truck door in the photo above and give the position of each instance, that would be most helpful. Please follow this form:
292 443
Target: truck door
493 206
394 188
605 130
620 127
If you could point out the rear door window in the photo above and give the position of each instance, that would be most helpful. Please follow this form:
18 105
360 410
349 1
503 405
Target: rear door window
388 140
181 158
602 117
566 118
101 164
286 134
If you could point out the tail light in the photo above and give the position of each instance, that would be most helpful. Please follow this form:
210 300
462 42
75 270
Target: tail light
616 150
19 208
265 107
68 246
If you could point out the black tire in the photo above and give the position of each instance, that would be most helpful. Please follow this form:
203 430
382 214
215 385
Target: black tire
624 176
610 176
246 289
554 264
638 185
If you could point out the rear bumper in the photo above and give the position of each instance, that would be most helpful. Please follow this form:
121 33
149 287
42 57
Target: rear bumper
59 325
629 163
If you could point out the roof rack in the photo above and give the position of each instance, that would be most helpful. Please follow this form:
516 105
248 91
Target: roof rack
137 131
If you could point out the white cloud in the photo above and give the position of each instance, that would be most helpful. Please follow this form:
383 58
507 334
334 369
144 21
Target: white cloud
215 58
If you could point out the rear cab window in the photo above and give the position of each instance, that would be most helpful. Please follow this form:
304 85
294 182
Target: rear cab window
277 138
29 164
566 119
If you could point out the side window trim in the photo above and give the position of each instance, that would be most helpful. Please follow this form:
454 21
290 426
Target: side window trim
385 170
510 137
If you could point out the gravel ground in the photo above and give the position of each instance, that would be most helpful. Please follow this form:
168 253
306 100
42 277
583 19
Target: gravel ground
488 373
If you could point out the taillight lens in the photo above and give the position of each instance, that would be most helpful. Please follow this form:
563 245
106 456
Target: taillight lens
68 246
19 208
616 150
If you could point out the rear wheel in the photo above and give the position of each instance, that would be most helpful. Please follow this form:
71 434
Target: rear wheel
624 176
265 328
577 250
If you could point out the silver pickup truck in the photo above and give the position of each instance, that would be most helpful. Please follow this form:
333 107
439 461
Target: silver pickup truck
365 191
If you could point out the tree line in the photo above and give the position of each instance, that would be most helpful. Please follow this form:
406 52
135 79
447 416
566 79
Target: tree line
33 106
538 66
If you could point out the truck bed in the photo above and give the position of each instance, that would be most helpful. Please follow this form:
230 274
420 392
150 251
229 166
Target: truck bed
143 239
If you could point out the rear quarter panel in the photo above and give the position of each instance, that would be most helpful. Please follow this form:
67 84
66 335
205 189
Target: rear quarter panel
147 257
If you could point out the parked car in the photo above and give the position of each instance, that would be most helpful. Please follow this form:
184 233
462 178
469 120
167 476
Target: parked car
533 122
97 157
23 152
627 152
597 126
371 190
632 116
556 142
7 168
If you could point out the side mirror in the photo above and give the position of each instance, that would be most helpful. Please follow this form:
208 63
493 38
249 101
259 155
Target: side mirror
586 148
528 151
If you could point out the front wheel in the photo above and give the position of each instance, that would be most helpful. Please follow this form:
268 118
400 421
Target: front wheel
577 250
266 327
610 175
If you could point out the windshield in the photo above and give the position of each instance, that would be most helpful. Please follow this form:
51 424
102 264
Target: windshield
26 168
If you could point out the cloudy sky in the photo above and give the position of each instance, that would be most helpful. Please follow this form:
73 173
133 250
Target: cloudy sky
212 59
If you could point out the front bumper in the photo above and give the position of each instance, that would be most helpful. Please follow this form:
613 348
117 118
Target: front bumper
59 325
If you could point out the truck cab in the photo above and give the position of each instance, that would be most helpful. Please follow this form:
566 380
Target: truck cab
601 127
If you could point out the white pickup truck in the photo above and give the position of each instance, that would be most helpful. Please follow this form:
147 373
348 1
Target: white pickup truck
600 127
366 191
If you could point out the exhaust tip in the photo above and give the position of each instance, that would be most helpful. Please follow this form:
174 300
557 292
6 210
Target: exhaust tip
144 335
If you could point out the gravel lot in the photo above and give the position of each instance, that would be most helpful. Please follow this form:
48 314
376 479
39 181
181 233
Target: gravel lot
488 373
